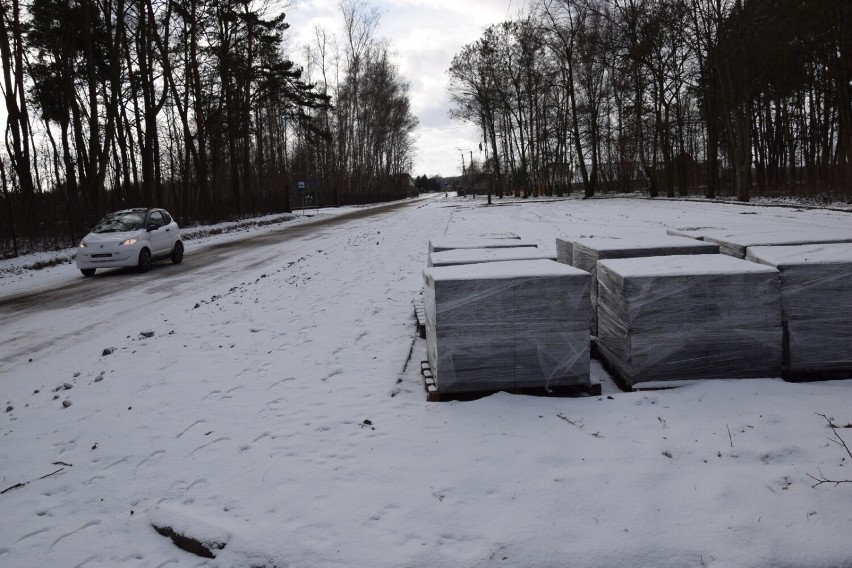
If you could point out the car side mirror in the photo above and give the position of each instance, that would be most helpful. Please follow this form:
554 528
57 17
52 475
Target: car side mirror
152 227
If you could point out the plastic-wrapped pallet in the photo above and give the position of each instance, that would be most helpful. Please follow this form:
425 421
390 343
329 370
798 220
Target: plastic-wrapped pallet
669 318
438 245
816 303
565 250
565 245
507 325
477 256
736 242
588 251
691 232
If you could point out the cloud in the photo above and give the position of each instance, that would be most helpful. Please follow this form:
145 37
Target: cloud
425 34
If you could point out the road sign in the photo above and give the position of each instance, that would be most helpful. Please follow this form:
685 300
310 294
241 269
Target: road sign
446 183
301 185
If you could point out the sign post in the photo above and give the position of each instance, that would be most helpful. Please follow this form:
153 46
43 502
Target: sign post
301 186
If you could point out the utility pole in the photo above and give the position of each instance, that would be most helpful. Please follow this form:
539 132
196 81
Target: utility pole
472 187
490 173
463 169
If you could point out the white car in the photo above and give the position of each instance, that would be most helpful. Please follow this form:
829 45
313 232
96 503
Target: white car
128 238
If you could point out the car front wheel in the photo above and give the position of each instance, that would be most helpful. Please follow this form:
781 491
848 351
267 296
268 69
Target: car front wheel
177 253
144 264
88 271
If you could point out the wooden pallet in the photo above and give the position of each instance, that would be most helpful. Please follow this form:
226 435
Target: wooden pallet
420 318
434 395
813 376
617 377
622 383
789 376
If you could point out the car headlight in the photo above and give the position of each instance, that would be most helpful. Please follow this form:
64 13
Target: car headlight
128 242
82 244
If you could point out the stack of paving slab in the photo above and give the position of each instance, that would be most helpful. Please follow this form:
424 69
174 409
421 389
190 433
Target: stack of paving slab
565 250
737 242
480 255
565 244
507 325
586 252
672 318
816 300
439 245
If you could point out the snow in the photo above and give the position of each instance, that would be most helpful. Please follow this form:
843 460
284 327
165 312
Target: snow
477 256
684 265
278 405
440 245
740 241
638 242
831 253
502 270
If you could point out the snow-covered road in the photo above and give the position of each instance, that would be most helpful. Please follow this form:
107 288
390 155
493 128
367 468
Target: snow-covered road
266 403
34 318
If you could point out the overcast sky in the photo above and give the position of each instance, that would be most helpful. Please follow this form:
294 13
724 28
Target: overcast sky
426 34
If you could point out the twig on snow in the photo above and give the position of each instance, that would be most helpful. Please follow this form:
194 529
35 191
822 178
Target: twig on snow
18 485
12 487
578 423
821 478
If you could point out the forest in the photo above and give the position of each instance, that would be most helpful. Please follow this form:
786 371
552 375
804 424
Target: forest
674 97
191 105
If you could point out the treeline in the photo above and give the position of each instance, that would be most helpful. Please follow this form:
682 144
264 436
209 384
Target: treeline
371 147
428 184
186 104
673 96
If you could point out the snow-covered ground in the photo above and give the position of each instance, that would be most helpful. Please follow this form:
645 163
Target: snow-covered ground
282 413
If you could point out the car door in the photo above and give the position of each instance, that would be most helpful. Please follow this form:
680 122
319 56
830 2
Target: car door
158 237
172 230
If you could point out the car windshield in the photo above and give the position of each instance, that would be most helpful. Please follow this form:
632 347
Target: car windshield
120 222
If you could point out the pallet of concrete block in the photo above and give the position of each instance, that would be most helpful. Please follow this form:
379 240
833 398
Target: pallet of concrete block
674 318
586 252
565 250
565 245
696 233
736 242
515 326
816 303
444 244
480 255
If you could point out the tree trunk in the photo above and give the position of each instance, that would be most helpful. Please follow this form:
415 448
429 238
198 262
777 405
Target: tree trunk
14 90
